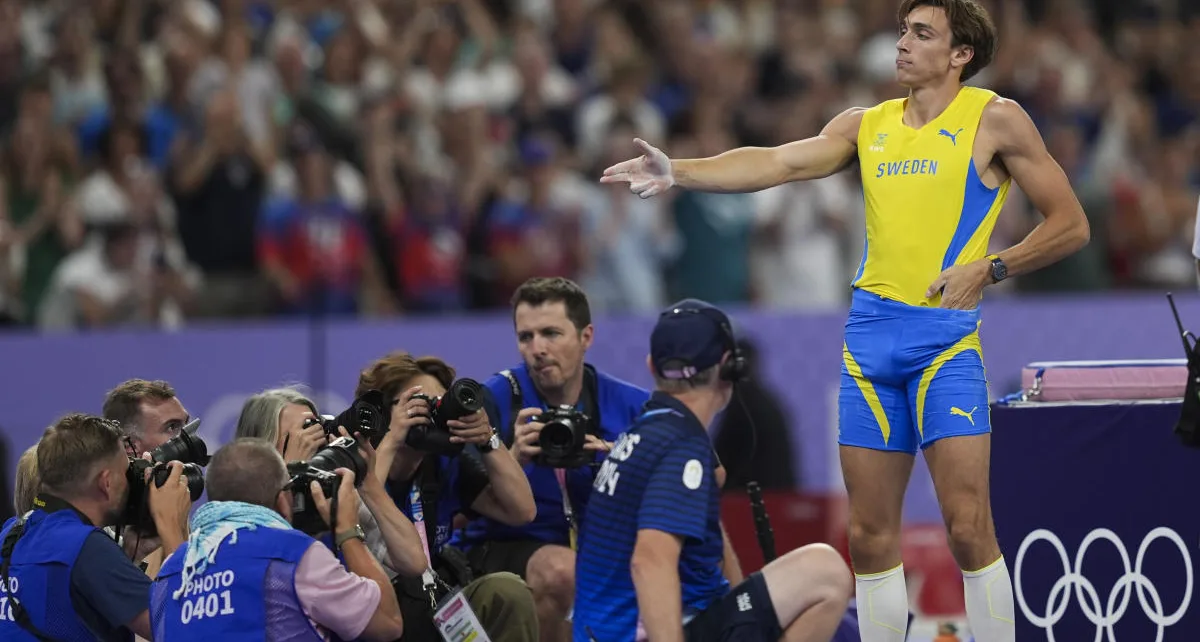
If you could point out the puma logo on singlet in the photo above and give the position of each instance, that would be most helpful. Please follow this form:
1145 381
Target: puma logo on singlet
953 137
955 410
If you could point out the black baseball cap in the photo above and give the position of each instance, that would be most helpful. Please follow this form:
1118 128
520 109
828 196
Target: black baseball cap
690 337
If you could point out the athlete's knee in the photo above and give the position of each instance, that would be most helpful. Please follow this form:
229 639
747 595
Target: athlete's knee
551 573
872 538
970 531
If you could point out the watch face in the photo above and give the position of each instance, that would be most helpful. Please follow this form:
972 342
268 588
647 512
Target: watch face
999 271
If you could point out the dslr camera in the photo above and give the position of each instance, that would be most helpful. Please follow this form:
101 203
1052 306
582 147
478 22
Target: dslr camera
340 453
464 398
367 416
563 435
186 448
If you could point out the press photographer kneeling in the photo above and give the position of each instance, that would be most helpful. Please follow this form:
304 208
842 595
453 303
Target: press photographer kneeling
61 577
245 571
432 478
290 421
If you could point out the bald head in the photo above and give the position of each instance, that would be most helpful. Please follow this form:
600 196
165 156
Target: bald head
246 470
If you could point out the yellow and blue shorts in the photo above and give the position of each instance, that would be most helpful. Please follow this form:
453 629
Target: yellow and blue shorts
910 375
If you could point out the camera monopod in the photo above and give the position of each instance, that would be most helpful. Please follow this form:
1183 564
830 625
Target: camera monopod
762 522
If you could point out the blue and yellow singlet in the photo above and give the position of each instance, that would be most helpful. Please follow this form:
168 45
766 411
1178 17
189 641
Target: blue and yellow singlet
926 206
912 372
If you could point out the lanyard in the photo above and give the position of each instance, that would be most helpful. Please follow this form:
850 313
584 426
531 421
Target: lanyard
568 512
418 520
428 577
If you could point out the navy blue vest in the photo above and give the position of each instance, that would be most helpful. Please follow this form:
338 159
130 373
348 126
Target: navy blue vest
618 403
40 577
248 593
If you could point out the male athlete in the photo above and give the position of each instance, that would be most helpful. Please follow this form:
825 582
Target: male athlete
936 167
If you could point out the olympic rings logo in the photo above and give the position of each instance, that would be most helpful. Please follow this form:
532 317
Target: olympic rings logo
1118 599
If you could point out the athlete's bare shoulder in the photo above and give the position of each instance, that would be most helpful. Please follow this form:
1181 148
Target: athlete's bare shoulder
845 125
1008 126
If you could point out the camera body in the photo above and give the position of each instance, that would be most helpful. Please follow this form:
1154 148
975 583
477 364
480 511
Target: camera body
185 448
367 416
464 398
564 433
341 453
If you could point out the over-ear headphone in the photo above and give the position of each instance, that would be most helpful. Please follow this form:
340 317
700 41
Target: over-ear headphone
733 370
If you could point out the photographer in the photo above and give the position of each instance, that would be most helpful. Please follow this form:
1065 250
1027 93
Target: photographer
432 489
60 575
285 418
148 412
553 323
26 487
245 570
650 551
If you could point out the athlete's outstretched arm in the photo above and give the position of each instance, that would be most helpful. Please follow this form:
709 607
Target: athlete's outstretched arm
1064 229
745 169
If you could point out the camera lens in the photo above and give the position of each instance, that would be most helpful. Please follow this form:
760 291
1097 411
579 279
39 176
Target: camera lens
342 453
558 434
464 397
467 394
184 448
191 472
195 480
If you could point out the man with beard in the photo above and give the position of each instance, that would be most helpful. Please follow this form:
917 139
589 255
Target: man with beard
61 577
554 330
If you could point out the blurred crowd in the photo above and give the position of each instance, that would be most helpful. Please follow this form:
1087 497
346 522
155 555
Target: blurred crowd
167 160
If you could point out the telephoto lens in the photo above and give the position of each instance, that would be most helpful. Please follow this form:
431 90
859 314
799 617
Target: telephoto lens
341 453
464 397
185 448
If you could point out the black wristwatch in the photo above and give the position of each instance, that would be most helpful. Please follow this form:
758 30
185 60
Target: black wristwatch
999 269
491 444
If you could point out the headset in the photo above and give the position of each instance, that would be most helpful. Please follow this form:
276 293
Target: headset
734 369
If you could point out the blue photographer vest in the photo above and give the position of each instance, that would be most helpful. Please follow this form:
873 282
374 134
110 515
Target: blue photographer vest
616 402
248 593
40 577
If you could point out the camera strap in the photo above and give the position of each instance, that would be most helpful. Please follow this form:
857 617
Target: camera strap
568 512
423 498
514 406
591 402
19 614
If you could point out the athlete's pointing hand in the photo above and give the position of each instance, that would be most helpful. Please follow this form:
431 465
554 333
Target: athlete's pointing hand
648 175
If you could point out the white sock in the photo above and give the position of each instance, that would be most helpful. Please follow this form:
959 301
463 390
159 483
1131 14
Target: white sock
990 610
882 606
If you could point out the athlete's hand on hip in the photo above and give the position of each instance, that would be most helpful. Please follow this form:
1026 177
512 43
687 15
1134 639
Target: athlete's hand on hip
648 175
961 285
